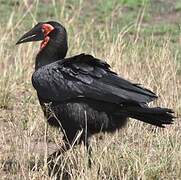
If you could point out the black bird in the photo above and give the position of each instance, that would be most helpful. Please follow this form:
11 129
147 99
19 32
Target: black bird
81 93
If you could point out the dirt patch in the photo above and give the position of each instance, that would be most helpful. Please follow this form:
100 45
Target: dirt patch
170 17
165 11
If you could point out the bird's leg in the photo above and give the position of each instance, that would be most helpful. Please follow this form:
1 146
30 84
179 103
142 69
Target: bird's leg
67 143
89 150
86 140
55 158
65 147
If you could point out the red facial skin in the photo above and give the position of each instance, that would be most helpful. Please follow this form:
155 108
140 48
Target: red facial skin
46 28
44 42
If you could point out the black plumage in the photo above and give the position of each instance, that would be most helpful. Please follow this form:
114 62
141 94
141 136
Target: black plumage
81 93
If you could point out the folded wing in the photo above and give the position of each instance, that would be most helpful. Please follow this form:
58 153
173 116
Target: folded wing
84 76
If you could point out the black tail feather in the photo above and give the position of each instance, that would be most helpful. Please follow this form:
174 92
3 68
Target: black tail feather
156 116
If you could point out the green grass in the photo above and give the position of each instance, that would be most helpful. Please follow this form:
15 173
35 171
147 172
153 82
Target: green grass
178 6
141 42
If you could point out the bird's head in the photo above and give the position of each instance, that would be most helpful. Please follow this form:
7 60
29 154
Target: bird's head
42 32
54 42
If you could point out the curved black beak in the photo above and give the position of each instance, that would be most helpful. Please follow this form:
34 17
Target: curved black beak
35 34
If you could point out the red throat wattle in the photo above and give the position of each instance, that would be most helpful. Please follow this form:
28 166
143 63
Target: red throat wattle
46 28
44 42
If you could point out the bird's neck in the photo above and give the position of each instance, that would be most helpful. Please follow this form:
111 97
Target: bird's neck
55 50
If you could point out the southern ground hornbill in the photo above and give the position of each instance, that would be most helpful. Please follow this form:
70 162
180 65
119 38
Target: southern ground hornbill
81 93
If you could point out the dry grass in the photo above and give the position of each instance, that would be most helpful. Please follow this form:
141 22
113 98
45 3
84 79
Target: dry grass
138 151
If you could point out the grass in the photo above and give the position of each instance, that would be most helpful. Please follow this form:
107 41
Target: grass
139 46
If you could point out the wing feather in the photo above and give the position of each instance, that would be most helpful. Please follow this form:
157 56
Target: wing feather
85 76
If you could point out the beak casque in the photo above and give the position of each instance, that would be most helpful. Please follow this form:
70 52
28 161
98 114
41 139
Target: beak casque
35 34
